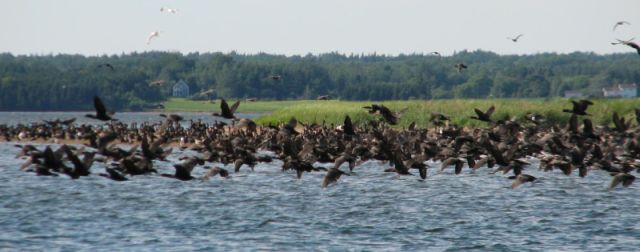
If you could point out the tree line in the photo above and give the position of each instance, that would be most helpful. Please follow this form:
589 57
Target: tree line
68 82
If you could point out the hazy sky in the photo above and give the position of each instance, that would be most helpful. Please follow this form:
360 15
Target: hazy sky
305 26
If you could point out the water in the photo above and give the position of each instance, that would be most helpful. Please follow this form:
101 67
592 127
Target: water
14 118
270 210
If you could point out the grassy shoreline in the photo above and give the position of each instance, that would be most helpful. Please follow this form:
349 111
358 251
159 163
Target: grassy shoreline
459 110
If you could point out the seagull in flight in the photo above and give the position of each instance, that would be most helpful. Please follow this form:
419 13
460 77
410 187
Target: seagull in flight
168 10
619 23
152 35
436 54
516 38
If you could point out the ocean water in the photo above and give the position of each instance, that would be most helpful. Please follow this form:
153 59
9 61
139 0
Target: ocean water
271 210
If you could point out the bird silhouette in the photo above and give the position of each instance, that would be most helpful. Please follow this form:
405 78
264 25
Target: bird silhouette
226 111
484 116
460 67
107 65
619 23
101 111
579 107
516 38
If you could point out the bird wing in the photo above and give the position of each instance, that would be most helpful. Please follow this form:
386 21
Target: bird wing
519 35
348 126
100 108
478 112
490 110
235 106
224 107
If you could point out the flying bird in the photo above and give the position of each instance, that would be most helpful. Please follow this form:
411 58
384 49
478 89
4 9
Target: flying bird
619 23
168 10
152 35
516 38
226 111
630 44
436 54
101 111
107 65
460 67
276 77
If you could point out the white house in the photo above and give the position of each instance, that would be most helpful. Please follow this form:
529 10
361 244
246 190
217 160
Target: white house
181 89
621 91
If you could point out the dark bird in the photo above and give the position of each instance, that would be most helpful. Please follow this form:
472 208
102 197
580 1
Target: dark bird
227 112
215 171
324 97
633 45
619 23
436 54
276 77
183 171
347 126
484 116
113 175
101 111
438 118
332 176
626 179
460 67
579 107
619 41
107 65
385 112
172 117
516 38
521 179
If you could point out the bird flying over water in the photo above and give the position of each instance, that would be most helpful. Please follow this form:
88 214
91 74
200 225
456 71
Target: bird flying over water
225 111
101 111
619 23
516 38
152 35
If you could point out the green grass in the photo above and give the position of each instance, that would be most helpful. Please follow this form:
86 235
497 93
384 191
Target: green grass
181 104
459 110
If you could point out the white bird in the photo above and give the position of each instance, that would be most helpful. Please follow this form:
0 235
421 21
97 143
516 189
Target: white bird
620 23
152 35
168 10
516 38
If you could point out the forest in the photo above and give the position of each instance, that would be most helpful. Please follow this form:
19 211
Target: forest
141 81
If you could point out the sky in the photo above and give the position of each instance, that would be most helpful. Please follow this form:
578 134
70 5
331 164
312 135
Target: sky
299 27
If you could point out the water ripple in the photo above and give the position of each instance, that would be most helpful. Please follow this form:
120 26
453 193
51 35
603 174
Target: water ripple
271 210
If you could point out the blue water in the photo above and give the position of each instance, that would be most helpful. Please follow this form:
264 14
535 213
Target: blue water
270 210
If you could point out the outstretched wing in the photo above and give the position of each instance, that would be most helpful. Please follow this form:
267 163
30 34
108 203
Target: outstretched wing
235 106
224 107
490 110
97 103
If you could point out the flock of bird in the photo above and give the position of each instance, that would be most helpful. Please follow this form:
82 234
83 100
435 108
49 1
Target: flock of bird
504 146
